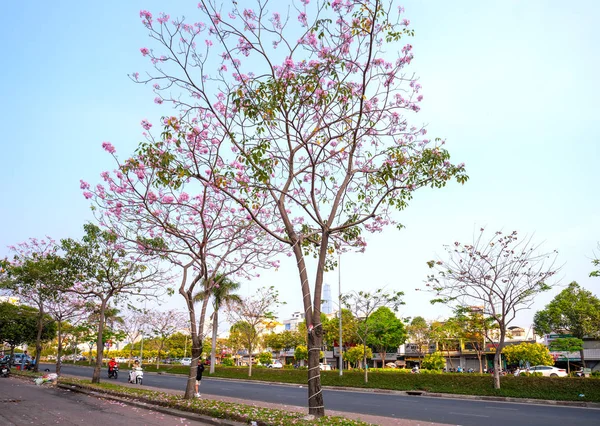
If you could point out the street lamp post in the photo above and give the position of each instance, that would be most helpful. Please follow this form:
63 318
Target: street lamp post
341 361
142 349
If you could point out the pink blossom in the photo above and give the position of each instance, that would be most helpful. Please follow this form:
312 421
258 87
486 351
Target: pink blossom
302 19
146 17
84 185
158 100
108 147
163 18
144 51
87 195
146 124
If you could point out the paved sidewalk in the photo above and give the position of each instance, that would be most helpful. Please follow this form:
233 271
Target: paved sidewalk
24 403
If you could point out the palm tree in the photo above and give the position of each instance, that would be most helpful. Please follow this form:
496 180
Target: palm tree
221 291
112 317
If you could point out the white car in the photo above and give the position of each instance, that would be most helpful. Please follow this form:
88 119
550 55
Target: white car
324 367
186 361
275 364
548 371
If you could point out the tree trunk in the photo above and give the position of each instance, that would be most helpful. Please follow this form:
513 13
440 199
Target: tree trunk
312 309
158 356
196 331
480 364
38 339
99 345
315 396
497 370
582 358
250 360
450 358
59 349
498 358
365 363
213 348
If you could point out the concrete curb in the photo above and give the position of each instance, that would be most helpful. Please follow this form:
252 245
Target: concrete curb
155 407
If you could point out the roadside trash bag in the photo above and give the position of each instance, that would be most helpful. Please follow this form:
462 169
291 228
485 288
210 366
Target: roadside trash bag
46 378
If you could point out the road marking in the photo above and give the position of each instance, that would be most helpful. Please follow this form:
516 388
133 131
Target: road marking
501 408
466 414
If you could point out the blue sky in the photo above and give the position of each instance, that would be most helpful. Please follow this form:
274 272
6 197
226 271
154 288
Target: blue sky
511 85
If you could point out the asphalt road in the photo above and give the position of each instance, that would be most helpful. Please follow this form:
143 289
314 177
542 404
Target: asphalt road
440 410
24 403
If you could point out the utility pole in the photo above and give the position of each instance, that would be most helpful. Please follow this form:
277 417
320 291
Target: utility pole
142 348
341 361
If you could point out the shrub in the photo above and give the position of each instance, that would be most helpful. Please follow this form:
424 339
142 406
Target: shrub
434 361
265 358
228 362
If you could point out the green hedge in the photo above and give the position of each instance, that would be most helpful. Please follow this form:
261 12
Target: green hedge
559 388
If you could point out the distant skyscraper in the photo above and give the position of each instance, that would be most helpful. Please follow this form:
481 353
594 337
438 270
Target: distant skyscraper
326 307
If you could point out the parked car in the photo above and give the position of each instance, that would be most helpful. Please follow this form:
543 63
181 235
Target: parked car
275 364
18 359
324 367
548 371
186 361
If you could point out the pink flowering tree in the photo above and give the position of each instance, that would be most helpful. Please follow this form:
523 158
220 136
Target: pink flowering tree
64 308
38 276
500 274
301 118
109 272
207 235
134 326
163 324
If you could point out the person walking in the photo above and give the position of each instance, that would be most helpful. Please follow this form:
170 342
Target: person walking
24 360
199 371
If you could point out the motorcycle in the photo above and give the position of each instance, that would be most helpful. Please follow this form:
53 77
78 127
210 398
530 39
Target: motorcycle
136 375
113 373
4 369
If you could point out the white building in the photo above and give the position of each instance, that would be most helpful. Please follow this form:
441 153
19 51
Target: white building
292 323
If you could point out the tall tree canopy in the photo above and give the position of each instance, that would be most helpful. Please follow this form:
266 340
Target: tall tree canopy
301 115
500 274
574 311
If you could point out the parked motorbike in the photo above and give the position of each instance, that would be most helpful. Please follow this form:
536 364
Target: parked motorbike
113 373
136 375
5 369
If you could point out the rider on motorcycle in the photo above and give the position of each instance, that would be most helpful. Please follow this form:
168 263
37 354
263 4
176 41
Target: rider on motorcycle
136 371
112 364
